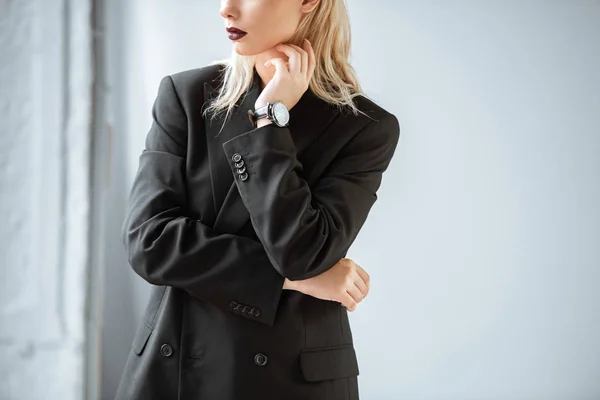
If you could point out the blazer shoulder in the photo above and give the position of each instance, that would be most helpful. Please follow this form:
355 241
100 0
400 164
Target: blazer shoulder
372 109
189 84
381 133
377 118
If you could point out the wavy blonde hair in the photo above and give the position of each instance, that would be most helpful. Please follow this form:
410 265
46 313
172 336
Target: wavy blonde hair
334 80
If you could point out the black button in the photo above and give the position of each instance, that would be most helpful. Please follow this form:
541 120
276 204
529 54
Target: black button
233 304
241 170
236 157
239 164
260 360
254 312
166 350
246 309
243 176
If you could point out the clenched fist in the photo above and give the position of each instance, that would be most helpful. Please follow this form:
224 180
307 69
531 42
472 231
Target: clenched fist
346 282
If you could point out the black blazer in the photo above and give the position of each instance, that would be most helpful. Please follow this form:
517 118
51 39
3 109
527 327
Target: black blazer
217 220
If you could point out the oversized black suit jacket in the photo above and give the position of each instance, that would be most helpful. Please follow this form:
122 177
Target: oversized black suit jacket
217 219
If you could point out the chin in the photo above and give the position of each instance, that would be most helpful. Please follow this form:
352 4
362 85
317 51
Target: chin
244 49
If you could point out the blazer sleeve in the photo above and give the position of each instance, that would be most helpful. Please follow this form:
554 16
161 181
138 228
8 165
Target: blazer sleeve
167 247
306 230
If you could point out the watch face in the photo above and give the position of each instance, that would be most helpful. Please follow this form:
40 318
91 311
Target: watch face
281 114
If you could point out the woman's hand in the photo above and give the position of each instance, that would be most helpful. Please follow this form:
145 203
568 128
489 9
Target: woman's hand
346 282
289 83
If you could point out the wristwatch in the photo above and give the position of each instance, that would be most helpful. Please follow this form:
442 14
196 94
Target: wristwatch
275 111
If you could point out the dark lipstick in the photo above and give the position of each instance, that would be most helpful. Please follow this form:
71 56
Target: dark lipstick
235 33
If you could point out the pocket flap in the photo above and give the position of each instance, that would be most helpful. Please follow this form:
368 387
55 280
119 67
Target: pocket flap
319 364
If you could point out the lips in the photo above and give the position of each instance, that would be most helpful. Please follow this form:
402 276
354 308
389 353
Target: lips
234 30
235 33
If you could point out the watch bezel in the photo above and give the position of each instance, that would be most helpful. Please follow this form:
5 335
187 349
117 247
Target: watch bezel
272 115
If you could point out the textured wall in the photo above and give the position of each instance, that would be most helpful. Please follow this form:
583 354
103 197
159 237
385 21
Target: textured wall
45 81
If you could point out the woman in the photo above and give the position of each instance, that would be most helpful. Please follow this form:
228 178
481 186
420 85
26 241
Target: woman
242 218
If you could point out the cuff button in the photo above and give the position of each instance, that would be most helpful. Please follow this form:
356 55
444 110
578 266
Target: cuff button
260 360
236 157
244 176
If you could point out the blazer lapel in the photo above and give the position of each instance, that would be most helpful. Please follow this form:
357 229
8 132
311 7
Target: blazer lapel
308 119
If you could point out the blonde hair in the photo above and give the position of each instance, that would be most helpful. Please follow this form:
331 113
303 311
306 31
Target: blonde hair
334 80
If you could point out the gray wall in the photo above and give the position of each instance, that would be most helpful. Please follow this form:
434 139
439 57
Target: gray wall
47 328
481 246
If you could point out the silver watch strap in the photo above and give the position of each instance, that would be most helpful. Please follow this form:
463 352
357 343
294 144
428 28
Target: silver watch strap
259 113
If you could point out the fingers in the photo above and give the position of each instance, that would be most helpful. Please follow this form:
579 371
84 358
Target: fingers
358 289
300 60
312 59
366 279
280 65
294 58
348 302
356 293
304 59
361 286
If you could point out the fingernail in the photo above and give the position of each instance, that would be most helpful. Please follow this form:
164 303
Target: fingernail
308 41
